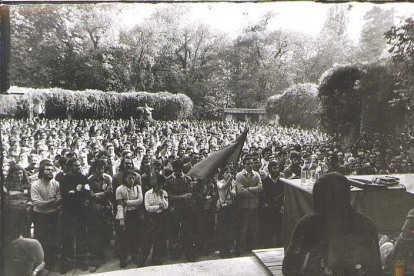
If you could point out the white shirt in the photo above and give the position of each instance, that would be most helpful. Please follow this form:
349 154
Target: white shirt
154 200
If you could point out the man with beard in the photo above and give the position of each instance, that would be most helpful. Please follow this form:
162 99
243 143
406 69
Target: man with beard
76 194
271 203
46 197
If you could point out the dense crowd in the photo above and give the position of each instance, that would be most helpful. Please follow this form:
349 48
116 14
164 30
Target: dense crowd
87 182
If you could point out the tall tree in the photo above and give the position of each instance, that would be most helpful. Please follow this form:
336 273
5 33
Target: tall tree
373 41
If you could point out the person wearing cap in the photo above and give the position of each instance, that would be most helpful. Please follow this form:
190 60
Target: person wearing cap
294 169
403 249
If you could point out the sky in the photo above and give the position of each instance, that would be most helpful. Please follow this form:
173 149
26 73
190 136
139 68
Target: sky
307 17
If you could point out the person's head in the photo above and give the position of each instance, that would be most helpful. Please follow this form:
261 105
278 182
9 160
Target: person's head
146 165
17 220
372 158
331 194
62 163
16 173
178 167
98 167
33 160
111 149
266 152
248 163
225 173
126 164
157 166
128 178
158 183
274 168
194 158
46 171
408 226
73 166
257 164
378 164
295 157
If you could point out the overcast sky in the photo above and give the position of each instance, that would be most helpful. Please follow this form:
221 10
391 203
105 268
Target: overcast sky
307 17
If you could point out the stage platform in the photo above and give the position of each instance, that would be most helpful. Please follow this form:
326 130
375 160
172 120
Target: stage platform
247 265
272 259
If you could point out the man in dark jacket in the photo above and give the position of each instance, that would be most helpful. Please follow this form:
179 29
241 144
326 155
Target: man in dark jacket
76 195
271 202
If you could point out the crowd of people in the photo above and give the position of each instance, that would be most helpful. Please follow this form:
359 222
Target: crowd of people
90 185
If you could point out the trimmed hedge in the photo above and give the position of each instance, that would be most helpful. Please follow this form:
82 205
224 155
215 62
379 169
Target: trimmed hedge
59 103
297 106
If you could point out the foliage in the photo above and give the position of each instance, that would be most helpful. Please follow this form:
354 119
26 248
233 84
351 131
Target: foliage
373 42
9 105
341 105
60 103
380 113
81 47
360 98
401 47
297 106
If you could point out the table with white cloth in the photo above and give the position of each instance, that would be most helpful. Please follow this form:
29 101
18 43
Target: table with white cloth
387 207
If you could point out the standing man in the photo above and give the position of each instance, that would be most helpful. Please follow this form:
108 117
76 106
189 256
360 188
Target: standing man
271 206
182 220
194 158
248 187
46 198
76 195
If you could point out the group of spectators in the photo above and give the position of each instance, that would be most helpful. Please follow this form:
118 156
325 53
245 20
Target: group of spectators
85 183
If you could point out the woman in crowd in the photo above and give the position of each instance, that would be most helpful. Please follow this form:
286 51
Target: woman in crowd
17 192
100 229
334 240
129 199
156 205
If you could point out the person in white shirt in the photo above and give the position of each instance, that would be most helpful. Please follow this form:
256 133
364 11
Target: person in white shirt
156 204
129 199
226 211
45 193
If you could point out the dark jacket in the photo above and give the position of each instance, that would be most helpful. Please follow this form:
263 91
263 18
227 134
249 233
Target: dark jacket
357 245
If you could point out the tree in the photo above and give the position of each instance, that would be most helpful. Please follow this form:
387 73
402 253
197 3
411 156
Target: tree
401 47
380 112
341 102
297 106
373 42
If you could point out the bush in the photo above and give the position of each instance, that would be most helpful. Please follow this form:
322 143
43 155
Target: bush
94 104
297 106
341 101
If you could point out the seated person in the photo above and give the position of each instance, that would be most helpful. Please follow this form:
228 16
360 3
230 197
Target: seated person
403 249
334 240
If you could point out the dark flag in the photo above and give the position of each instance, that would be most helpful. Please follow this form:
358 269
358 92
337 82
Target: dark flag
229 154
